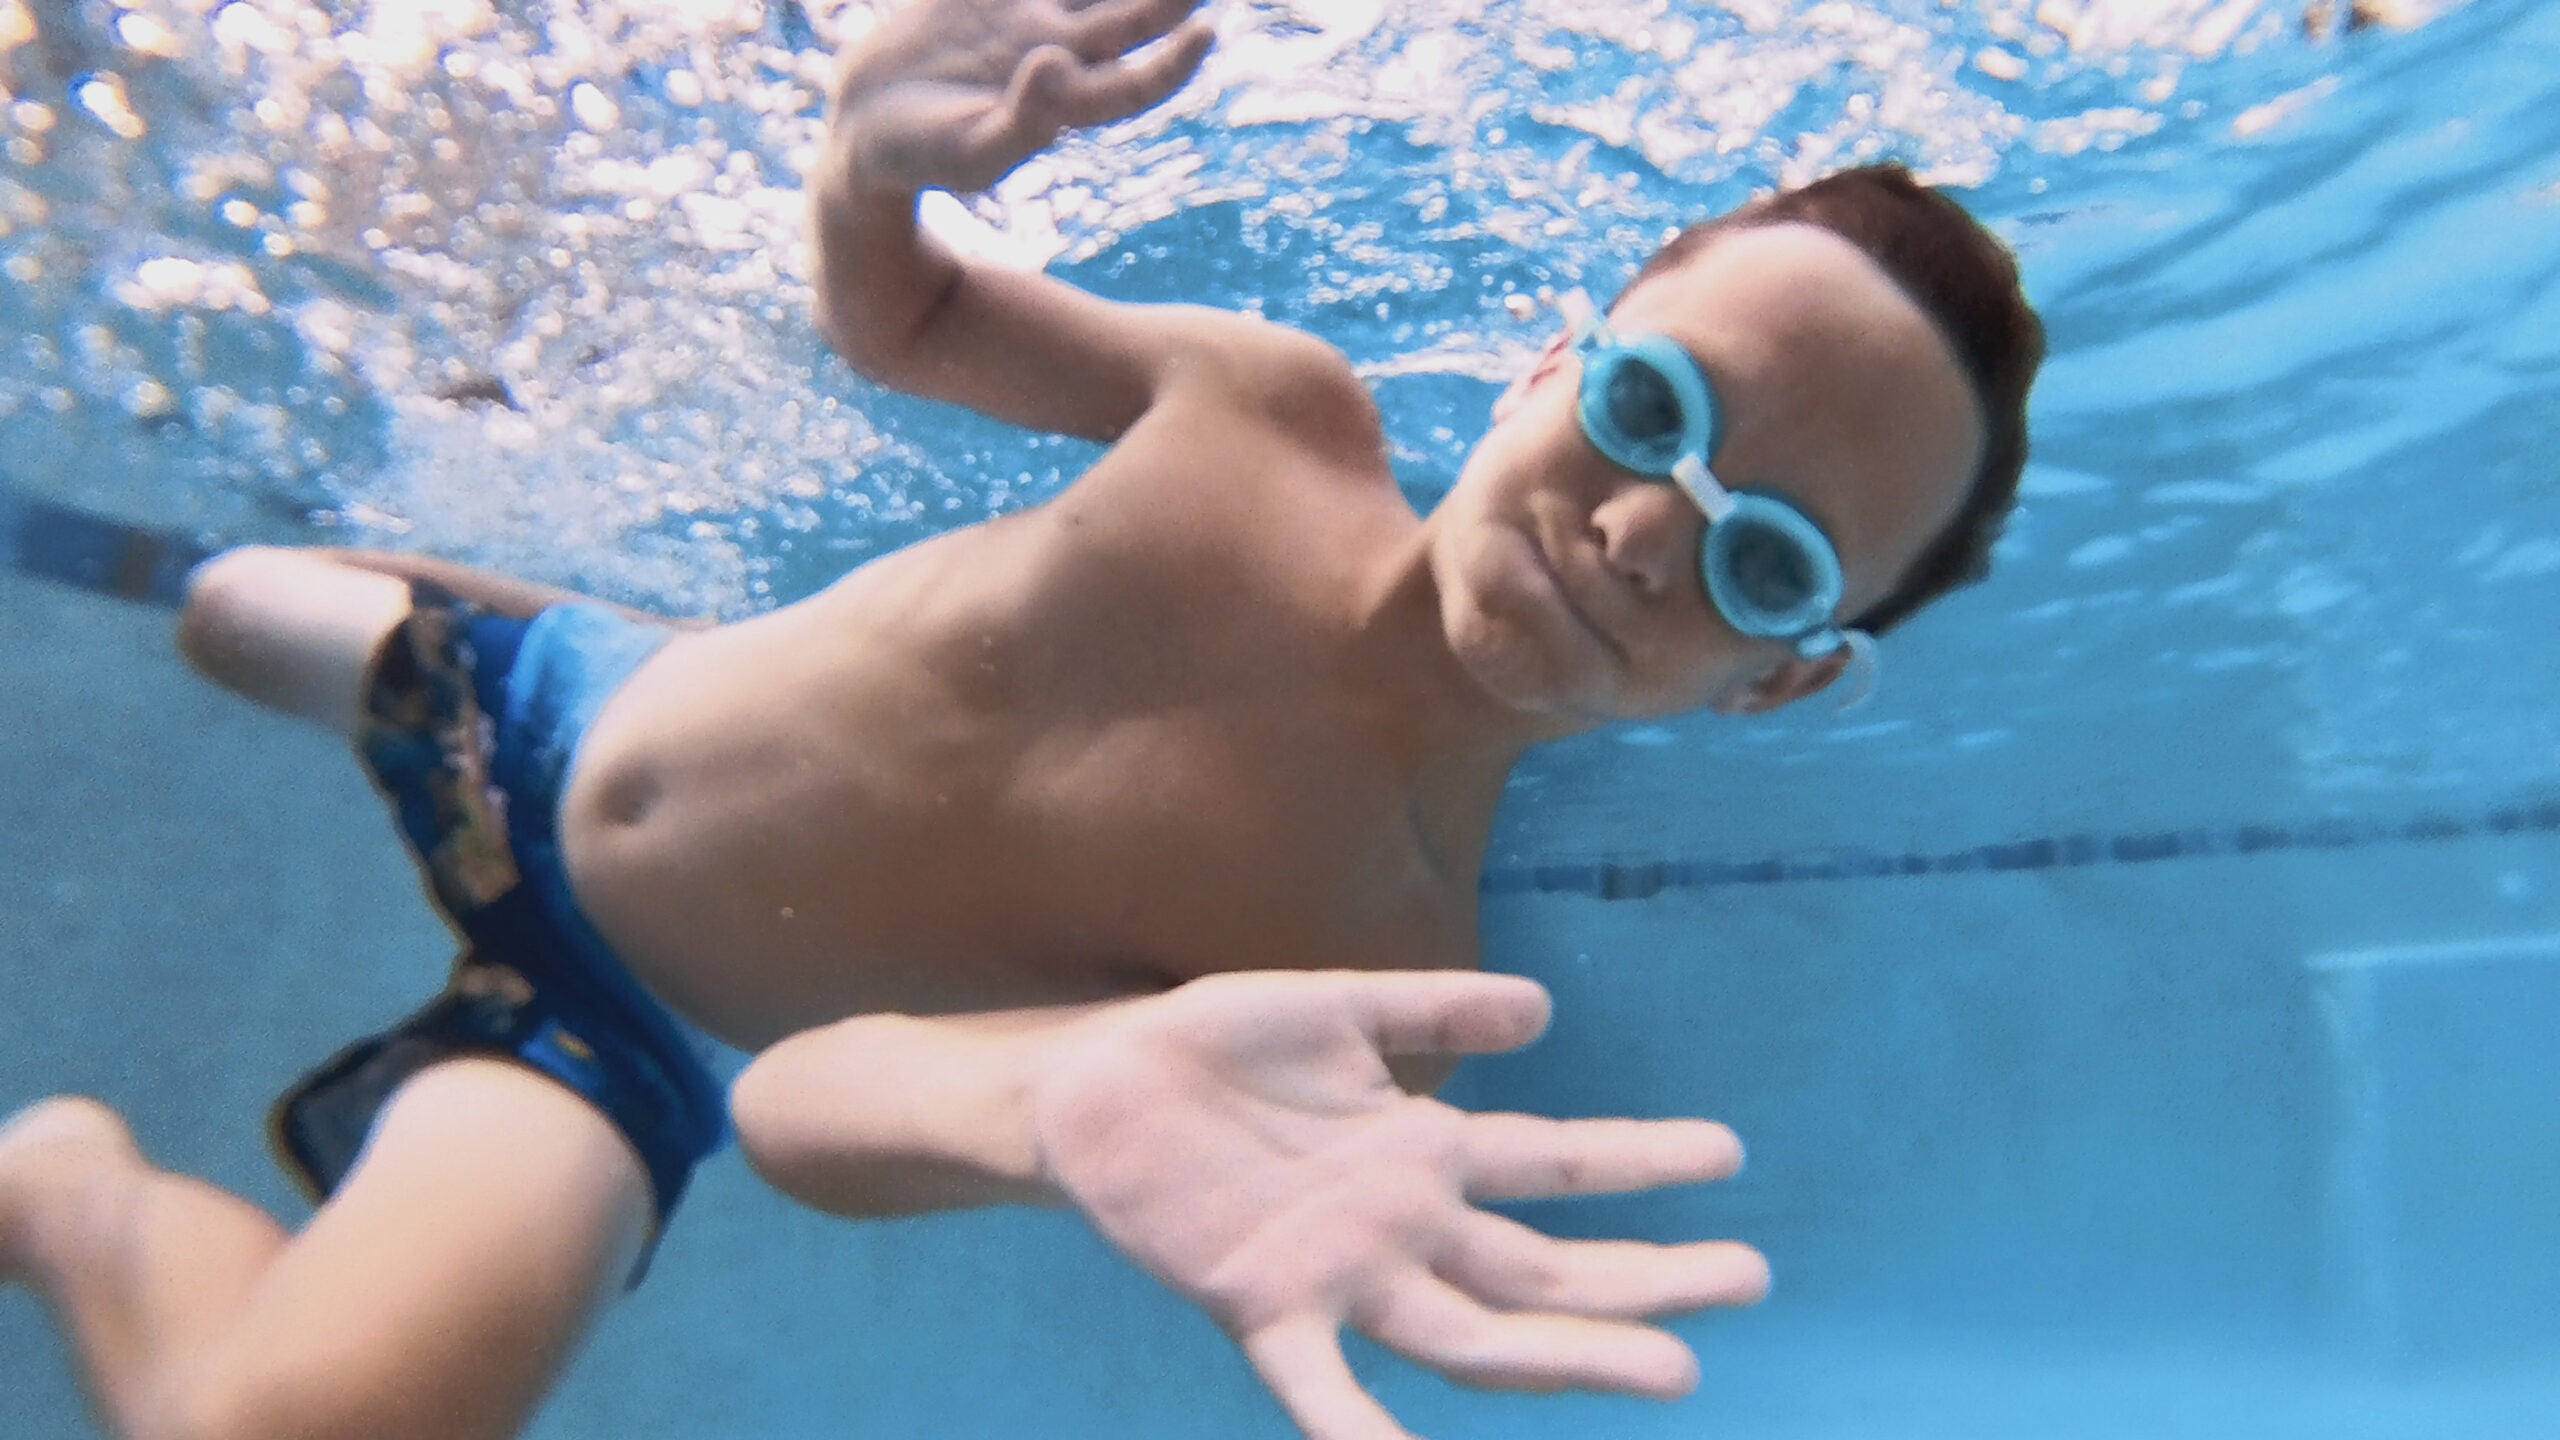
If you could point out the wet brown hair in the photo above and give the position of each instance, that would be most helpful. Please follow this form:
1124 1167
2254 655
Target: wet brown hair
1966 282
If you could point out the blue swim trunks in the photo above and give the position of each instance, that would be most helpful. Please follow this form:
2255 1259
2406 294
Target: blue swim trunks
473 722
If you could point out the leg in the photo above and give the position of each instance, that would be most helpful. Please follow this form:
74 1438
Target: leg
435 1296
293 631
297 630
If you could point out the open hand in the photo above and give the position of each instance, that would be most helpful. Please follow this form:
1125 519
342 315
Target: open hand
1240 1137
954 93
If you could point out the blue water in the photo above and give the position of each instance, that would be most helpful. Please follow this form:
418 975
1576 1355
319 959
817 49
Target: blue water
2138 1014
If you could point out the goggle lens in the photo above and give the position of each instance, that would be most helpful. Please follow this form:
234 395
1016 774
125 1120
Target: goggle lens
1641 403
1769 567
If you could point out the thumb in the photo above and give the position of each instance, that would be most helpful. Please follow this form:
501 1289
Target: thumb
1448 1012
1028 117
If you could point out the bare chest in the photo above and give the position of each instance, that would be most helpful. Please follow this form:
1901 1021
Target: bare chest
1123 797
1205 841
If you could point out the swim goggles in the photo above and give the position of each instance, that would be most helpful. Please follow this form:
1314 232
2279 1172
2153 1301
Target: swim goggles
1770 571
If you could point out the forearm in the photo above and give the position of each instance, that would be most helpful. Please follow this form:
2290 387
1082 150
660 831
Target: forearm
898 1115
880 278
951 95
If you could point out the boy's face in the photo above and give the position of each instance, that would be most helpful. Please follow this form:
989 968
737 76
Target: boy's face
1569 587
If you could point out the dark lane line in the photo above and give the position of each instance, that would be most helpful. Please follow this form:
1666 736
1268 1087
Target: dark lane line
1638 880
91 552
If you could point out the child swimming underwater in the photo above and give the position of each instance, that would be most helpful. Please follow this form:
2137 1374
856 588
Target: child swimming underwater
966 845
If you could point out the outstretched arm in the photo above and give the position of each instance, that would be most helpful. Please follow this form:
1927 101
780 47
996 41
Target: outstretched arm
1241 1138
900 1115
951 94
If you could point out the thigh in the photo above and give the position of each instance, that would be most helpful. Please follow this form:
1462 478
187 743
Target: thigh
297 630
293 631
439 1292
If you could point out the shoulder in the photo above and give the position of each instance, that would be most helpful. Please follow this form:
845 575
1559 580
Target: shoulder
1301 385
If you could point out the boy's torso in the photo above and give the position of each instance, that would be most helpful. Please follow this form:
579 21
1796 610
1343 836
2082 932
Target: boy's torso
1116 742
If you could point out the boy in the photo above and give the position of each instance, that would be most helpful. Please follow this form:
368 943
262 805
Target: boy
955 843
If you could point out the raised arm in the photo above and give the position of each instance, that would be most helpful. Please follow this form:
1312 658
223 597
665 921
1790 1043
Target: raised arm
951 94
1241 1138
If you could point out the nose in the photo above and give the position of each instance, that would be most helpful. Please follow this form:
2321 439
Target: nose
1648 537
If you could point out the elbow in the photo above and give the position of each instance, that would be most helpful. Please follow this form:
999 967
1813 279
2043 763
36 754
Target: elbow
770 1140
800 1135
853 344
878 352
878 320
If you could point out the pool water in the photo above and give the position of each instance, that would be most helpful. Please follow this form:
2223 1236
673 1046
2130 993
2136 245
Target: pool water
2138 1014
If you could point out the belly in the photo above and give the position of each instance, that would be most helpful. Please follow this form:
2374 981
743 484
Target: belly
783 823
760 895
754 934
761 875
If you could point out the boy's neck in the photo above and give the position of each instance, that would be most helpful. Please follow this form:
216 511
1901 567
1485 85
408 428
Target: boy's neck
1460 741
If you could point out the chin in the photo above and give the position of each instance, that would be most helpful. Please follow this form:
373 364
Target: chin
1514 670
1505 654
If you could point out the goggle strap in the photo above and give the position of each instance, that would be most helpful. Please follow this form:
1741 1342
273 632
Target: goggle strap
1581 317
1857 684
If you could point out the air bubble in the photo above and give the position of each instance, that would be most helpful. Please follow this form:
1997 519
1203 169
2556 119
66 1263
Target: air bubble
104 98
149 399
593 109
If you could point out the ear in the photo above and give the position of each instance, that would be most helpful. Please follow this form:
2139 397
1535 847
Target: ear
1788 681
1512 398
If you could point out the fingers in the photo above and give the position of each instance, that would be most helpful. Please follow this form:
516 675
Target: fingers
1301 1360
1025 119
1425 1318
1120 88
1510 1157
1053 89
1509 1266
1109 29
1446 1012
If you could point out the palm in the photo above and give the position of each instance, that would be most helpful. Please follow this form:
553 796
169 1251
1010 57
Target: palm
1244 1142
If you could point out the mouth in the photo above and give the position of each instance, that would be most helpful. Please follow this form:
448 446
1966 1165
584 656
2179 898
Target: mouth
1562 597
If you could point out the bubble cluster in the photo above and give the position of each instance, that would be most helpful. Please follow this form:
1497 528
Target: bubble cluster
526 284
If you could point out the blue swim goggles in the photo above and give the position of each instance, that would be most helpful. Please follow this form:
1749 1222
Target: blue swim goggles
1771 572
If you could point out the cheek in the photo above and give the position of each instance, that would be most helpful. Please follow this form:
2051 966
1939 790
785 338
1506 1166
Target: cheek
1502 661
1731 696
1695 673
1485 633
1686 694
1525 449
